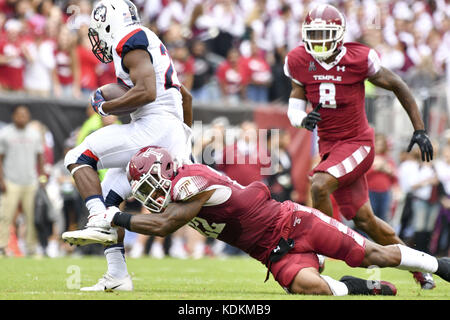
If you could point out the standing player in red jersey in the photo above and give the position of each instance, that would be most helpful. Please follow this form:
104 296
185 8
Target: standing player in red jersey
330 74
284 236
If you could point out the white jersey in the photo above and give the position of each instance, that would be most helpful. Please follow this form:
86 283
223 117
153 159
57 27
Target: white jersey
168 96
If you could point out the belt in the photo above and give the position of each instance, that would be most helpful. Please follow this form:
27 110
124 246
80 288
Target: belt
285 244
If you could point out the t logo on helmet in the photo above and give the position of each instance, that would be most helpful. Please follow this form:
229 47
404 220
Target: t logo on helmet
100 13
150 151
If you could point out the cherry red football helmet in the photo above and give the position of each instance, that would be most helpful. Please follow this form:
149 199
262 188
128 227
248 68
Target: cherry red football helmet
151 171
323 31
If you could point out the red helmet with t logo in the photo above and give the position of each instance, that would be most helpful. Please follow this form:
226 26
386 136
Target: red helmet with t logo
323 31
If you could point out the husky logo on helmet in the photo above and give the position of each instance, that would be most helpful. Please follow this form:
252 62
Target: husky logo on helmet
100 13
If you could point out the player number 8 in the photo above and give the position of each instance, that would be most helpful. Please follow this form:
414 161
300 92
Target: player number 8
327 93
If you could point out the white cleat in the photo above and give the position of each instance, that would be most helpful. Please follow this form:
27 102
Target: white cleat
89 235
108 283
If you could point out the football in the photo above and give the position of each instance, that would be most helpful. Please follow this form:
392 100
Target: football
113 91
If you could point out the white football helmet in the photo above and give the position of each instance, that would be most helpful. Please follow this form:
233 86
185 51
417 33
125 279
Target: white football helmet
107 19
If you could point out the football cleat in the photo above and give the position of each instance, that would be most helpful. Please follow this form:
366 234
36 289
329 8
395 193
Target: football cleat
357 286
108 283
425 280
89 235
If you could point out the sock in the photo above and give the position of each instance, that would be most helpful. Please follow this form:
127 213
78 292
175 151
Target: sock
95 204
115 257
413 260
337 287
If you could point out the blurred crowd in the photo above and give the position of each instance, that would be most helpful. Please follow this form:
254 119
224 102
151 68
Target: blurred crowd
229 48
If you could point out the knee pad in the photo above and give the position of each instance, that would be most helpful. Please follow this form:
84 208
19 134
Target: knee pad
81 155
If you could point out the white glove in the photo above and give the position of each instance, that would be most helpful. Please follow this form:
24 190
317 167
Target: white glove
103 219
296 112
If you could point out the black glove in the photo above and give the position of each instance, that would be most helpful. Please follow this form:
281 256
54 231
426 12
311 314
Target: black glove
421 138
310 121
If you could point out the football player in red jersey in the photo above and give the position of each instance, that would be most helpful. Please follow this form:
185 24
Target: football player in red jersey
284 236
330 74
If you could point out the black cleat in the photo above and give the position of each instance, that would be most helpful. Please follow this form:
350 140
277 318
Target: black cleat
368 287
443 270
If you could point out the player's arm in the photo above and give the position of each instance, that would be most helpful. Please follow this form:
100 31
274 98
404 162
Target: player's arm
176 215
142 74
296 109
187 106
388 80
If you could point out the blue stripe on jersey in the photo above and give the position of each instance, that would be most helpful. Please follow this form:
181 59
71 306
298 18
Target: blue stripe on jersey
138 40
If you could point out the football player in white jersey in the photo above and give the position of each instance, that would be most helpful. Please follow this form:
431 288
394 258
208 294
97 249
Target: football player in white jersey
162 109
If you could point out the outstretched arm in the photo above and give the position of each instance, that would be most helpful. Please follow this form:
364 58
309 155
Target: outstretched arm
176 215
388 80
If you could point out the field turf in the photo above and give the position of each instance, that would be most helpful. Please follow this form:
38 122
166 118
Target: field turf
171 279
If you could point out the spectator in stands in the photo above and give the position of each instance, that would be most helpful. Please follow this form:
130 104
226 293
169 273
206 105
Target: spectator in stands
183 62
66 76
440 243
381 178
232 76
260 76
88 63
12 60
40 62
425 205
18 175
245 160
202 89
280 181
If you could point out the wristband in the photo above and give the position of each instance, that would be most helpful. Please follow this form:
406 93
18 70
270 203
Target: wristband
43 178
122 219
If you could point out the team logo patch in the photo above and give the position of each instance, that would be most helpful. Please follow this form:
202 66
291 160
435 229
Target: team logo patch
100 13
312 66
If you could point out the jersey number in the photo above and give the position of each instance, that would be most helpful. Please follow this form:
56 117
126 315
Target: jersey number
202 226
327 93
169 72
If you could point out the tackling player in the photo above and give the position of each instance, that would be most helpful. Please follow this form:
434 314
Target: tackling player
143 64
330 74
286 236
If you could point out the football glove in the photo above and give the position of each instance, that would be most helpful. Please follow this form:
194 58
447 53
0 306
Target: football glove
310 121
97 102
426 148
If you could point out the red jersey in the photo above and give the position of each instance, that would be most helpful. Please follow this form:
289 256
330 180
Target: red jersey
64 67
244 217
11 73
339 86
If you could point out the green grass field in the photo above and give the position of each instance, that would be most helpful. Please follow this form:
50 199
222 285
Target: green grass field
172 279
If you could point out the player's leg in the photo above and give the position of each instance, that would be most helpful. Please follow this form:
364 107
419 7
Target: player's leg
109 147
116 189
309 281
405 258
377 229
298 273
322 186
